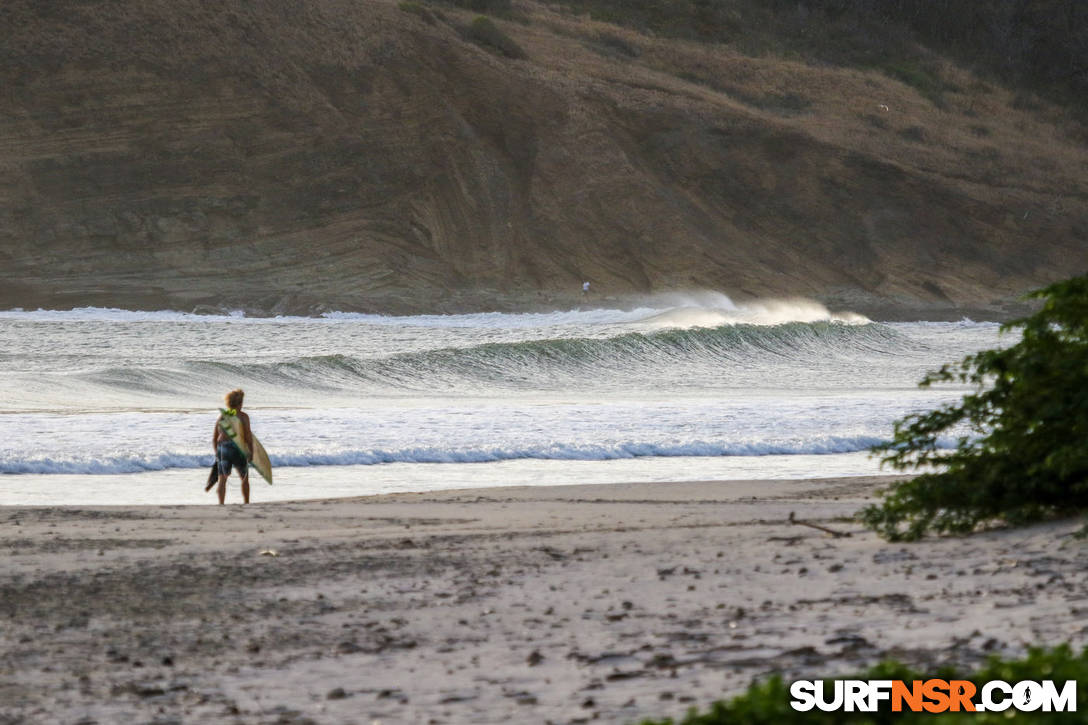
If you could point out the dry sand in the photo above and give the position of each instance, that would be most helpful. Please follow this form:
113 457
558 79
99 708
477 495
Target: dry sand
562 604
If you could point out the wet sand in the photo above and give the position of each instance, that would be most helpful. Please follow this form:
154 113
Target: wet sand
606 603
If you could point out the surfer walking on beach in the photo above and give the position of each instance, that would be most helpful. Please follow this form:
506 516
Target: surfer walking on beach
227 452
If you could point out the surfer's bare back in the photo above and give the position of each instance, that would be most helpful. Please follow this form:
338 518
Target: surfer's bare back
229 451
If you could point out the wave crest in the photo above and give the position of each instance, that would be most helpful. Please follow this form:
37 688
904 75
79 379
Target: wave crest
630 358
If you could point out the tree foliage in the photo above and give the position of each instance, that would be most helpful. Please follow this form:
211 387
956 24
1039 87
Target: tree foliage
766 702
1021 438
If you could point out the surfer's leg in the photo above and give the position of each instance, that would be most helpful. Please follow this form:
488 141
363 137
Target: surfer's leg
243 473
226 450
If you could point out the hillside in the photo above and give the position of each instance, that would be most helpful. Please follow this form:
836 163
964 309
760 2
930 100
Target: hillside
290 156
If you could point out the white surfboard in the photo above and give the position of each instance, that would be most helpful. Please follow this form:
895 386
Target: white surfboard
232 426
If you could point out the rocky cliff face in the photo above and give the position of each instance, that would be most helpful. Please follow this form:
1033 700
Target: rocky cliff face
294 156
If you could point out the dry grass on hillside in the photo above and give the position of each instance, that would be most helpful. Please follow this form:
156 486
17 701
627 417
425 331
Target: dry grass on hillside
990 136
379 155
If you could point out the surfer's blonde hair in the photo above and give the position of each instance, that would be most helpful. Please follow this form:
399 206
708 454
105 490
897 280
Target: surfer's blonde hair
234 398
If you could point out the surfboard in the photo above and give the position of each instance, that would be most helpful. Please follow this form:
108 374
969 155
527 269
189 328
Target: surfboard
232 426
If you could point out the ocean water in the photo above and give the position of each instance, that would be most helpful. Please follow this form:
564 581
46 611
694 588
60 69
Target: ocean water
101 406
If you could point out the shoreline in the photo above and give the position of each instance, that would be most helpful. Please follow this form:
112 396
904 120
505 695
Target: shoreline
605 602
543 491
185 486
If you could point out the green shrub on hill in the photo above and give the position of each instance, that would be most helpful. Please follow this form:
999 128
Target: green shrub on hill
617 45
483 32
416 9
768 702
926 81
498 8
1021 450
1032 44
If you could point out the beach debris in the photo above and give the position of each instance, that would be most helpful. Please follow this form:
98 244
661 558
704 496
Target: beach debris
894 557
818 527
552 552
662 661
850 641
534 658
114 655
269 552
807 654
457 697
522 697
337 693
148 689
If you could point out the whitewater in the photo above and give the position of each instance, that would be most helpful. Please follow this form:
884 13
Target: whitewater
107 406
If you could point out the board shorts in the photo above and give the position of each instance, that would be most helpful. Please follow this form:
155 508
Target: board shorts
230 455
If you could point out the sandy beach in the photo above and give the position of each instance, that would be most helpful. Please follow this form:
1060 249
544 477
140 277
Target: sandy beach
606 603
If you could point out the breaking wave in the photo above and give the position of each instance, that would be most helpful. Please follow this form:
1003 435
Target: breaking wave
667 309
546 363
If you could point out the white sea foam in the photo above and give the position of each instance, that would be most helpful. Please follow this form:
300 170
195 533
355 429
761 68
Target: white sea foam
556 451
487 320
484 320
115 314
670 309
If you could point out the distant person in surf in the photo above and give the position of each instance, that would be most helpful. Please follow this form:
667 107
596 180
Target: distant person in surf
227 453
585 288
